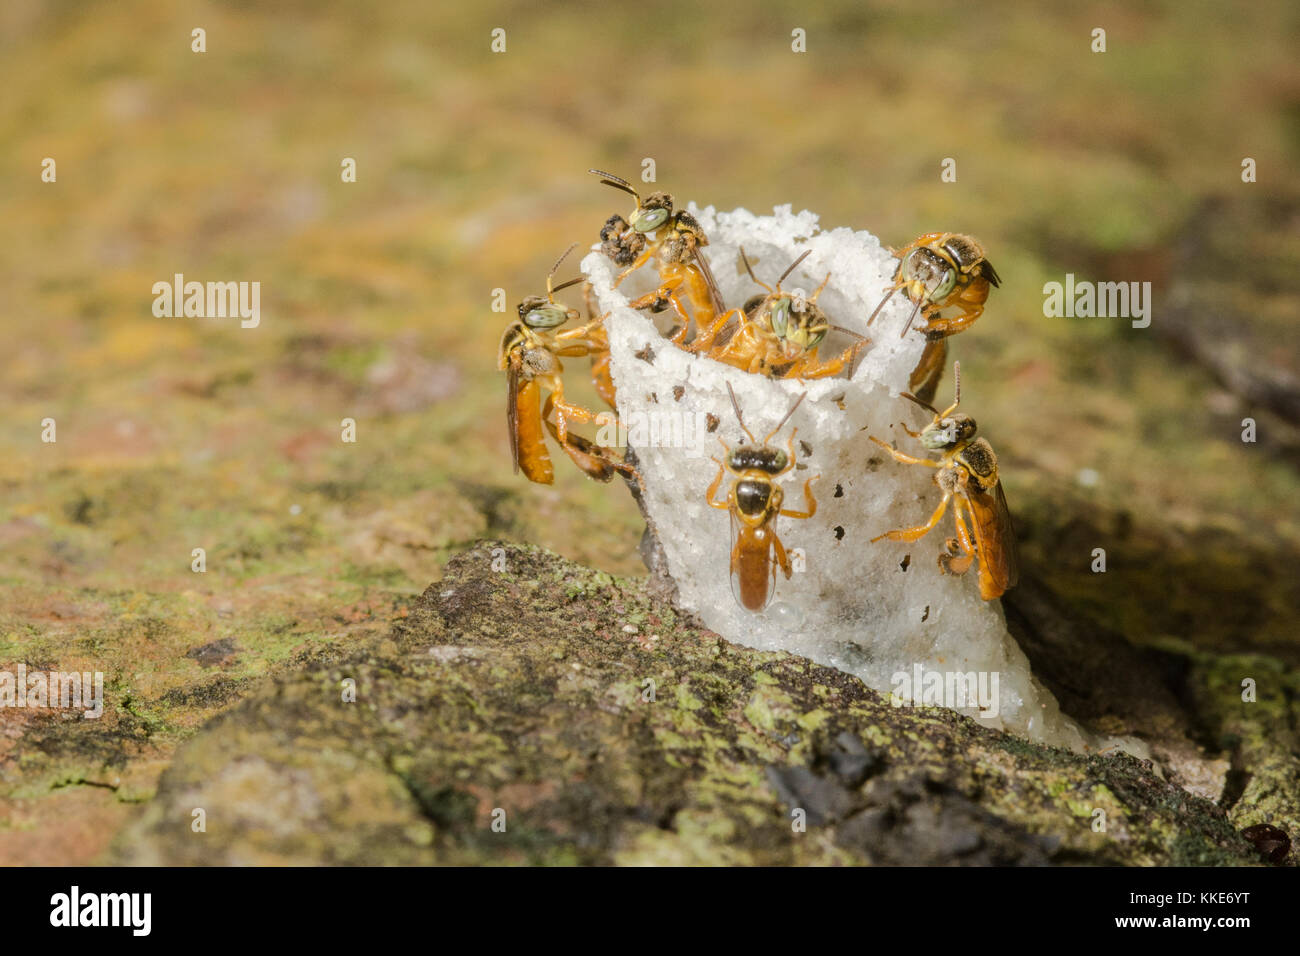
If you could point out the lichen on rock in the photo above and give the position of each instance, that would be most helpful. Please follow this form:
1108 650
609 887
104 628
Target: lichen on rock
595 724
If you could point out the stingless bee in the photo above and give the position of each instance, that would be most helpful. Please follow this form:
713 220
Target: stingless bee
778 333
530 354
967 476
938 270
673 240
754 501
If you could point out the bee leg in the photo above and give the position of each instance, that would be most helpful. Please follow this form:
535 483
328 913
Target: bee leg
971 299
602 380
705 339
782 558
735 554
668 291
591 335
961 550
593 459
912 534
924 240
905 459
565 409
810 503
640 261
813 369
953 561
713 490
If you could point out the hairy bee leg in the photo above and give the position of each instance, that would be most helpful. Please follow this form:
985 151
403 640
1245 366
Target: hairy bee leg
912 534
637 264
959 564
963 531
809 502
905 459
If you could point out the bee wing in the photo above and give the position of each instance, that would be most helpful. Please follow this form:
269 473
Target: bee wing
712 283
988 272
512 407
995 540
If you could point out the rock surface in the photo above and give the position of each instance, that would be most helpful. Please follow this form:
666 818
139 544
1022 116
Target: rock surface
604 728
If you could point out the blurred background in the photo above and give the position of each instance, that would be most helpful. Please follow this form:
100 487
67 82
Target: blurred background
175 434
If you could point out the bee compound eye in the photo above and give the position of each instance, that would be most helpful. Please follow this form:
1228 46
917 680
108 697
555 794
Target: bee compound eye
545 318
780 316
946 282
650 220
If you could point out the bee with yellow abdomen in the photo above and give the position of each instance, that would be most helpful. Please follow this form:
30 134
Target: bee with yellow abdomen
968 477
530 354
778 333
754 501
940 270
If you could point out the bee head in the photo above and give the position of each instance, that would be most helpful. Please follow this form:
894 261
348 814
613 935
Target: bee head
538 312
652 212
948 431
760 457
930 275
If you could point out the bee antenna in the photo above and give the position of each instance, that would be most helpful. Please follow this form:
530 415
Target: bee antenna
916 308
618 182
856 335
740 418
781 424
926 405
888 295
820 287
550 293
748 268
565 285
806 254
956 386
